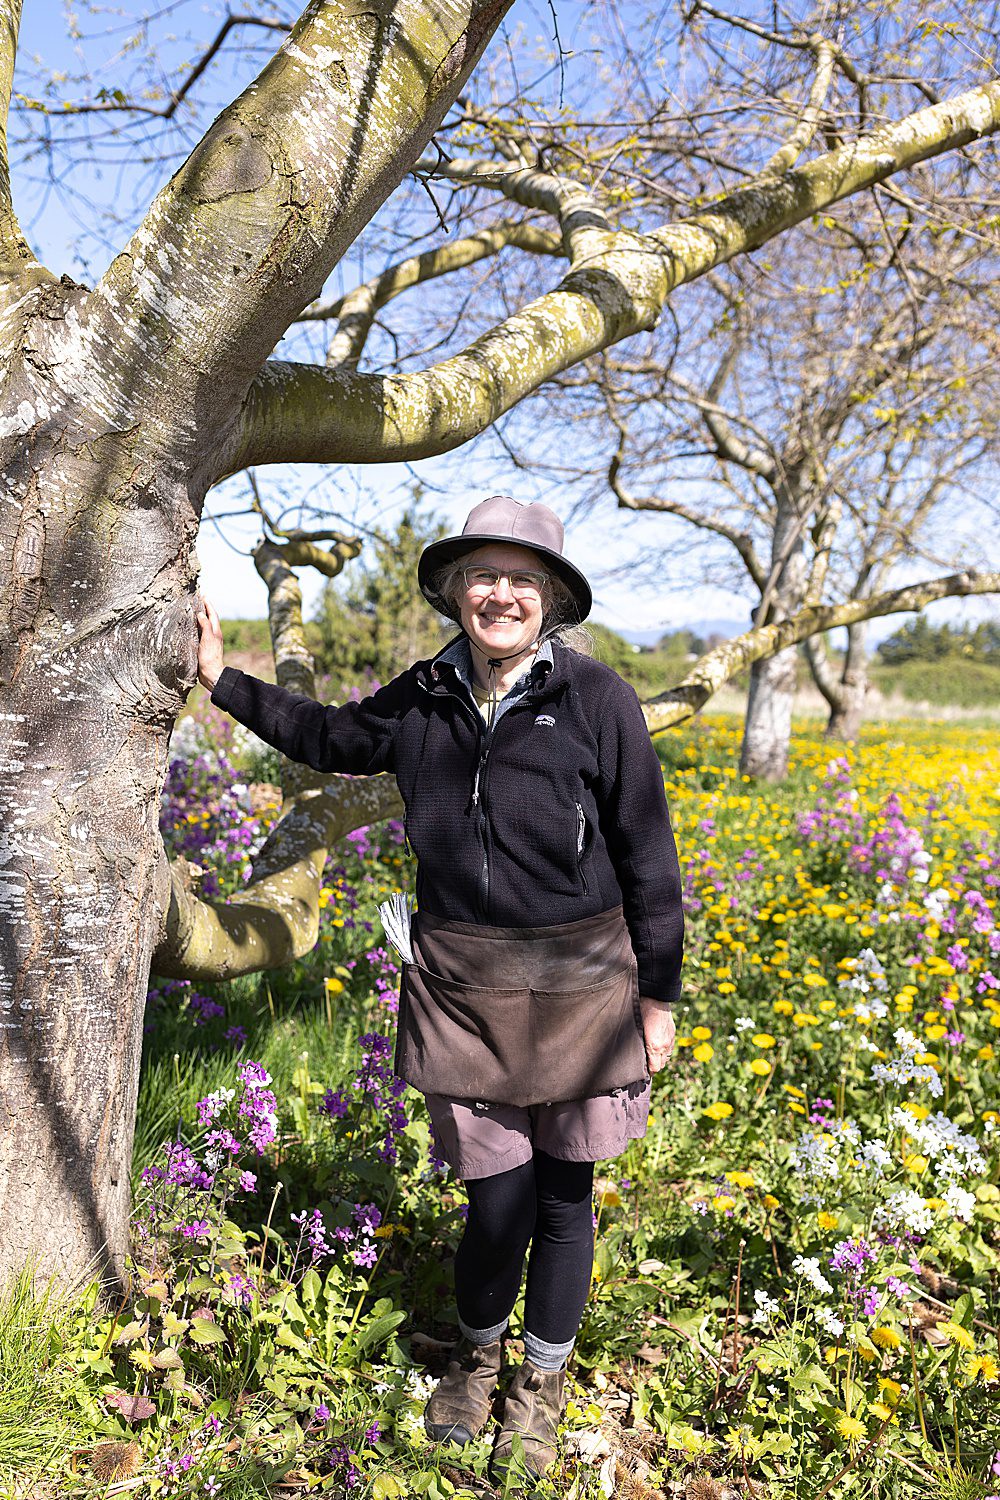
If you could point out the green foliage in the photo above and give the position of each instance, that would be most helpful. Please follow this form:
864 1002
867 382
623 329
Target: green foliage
953 681
39 1409
373 622
649 671
246 635
918 640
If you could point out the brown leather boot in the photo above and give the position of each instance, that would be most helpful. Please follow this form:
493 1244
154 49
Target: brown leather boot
531 1409
459 1406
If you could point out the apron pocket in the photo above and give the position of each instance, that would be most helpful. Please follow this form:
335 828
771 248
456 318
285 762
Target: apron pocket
519 1046
463 1040
587 1041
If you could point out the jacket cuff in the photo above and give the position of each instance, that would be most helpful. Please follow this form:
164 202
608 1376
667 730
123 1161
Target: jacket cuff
663 994
222 693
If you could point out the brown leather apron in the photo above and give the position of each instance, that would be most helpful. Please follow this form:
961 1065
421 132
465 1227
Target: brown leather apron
520 1015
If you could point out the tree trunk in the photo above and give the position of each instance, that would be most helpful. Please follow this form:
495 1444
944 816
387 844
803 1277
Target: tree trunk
847 712
97 654
768 726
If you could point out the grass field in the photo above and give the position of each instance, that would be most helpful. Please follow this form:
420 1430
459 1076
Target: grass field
796 1284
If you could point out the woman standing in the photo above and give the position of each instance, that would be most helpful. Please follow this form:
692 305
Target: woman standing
547 942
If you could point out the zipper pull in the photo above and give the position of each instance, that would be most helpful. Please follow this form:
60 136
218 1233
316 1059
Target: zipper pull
475 786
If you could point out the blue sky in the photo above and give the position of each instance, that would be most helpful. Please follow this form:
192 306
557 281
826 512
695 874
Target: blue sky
71 220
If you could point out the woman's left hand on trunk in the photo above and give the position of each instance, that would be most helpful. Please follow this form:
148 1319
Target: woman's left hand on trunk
658 1031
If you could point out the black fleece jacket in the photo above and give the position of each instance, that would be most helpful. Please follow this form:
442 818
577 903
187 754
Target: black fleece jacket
555 814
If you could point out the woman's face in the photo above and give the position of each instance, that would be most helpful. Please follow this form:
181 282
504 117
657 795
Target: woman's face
495 620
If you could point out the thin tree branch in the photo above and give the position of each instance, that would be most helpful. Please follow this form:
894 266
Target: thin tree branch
356 310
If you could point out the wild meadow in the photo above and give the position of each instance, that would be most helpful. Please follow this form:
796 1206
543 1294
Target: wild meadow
796 1287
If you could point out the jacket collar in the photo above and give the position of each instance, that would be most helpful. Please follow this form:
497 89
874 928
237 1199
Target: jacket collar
451 669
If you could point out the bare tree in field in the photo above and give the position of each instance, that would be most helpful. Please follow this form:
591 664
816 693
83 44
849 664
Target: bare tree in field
833 435
124 402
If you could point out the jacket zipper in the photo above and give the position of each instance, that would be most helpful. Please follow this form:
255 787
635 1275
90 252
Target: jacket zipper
480 786
581 837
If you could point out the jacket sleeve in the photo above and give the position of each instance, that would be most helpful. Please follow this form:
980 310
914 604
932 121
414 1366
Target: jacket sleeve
635 823
355 738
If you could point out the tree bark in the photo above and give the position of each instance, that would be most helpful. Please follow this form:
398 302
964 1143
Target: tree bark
114 410
847 712
768 726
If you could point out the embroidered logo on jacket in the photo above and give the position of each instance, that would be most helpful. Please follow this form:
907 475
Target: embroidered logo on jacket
546 719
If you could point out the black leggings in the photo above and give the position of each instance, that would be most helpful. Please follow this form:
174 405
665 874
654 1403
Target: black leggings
550 1203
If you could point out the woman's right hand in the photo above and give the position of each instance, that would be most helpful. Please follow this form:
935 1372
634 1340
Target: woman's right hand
210 650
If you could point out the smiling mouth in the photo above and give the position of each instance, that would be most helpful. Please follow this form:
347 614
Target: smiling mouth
501 619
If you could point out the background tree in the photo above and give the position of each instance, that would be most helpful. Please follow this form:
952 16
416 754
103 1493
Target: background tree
375 623
125 401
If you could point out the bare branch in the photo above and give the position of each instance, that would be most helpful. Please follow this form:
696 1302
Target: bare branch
788 154
717 667
357 309
300 412
627 501
274 919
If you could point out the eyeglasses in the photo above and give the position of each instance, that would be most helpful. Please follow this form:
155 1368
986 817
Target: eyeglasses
484 580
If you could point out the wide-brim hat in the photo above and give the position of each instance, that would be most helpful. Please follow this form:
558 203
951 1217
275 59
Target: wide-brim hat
504 519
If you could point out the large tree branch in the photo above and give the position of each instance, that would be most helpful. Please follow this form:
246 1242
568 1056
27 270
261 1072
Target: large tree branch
275 919
306 413
717 667
246 233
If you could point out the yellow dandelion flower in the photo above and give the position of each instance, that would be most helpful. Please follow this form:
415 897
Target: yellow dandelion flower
827 1221
726 988
783 1007
760 1067
985 1054
804 1018
885 1338
984 1368
814 981
918 1111
740 1179
915 1162
797 1109
703 1052
795 1093
866 1351
701 1033
935 1033
722 1201
720 1110
763 1039
891 1390
770 1201
956 1334
880 1410
333 986
850 1428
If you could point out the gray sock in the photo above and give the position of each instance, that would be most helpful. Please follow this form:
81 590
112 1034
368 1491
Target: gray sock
483 1335
546 1356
